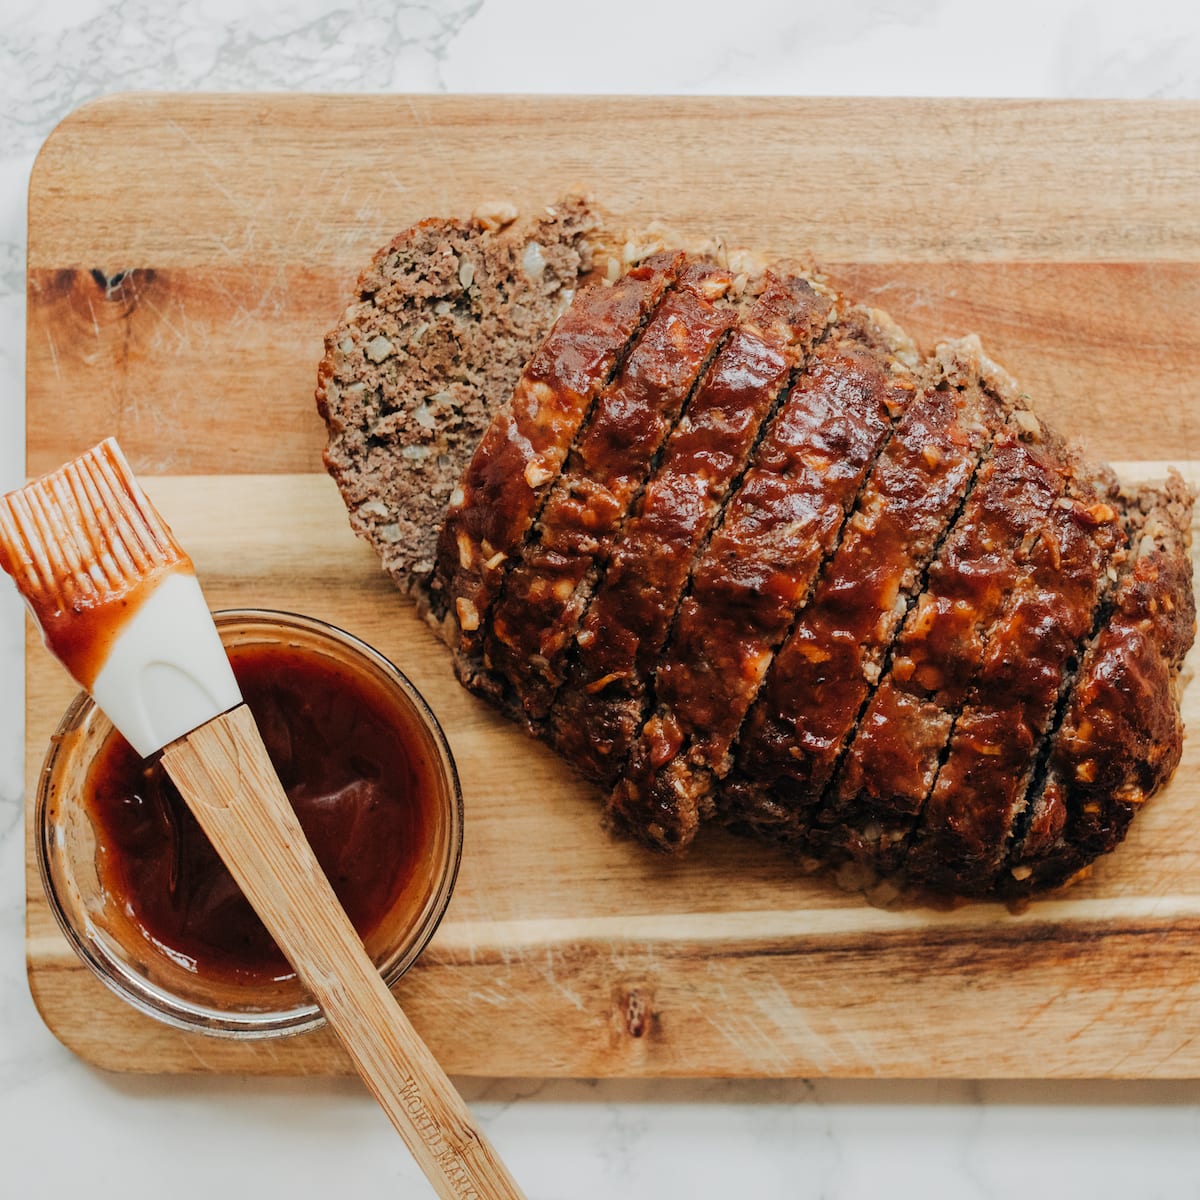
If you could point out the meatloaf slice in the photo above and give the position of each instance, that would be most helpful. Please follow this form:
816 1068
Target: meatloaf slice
1121 734
599 710
524 447
826 671
441 326
981 785
893 761
535 619
774 536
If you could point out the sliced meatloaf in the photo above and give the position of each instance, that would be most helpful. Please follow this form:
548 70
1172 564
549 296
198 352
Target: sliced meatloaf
601 708
546 593
726 541
523 449
827 669
759 567
893 761
442 324
987 765
1119 735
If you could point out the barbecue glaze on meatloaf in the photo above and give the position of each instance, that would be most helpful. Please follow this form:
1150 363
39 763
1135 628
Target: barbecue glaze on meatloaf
732 546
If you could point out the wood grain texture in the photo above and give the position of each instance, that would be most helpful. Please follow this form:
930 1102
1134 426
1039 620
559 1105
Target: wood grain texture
1066 234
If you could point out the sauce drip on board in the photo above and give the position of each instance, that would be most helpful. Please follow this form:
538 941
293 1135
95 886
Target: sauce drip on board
351 761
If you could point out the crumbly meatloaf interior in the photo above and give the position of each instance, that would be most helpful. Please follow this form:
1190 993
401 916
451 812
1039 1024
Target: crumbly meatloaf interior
740 553
442 324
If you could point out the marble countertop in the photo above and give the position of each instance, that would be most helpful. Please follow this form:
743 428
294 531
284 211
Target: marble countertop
71 1130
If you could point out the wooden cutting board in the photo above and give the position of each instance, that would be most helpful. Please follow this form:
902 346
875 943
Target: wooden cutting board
186 255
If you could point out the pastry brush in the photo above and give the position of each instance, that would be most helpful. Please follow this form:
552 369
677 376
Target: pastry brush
119 605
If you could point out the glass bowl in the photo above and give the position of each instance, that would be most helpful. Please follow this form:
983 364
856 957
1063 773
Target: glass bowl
154 977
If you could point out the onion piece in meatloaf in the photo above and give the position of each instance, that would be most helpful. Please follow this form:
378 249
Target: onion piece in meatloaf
721 537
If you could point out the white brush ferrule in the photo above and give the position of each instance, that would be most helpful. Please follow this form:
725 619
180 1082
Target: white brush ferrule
167 672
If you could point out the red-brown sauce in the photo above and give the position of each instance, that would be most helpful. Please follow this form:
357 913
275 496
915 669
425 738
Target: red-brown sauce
363 786
81 631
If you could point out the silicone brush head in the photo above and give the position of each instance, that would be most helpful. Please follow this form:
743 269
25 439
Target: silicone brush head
82 543
116 597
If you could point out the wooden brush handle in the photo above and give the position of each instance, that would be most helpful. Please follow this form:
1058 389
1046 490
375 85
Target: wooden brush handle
228 781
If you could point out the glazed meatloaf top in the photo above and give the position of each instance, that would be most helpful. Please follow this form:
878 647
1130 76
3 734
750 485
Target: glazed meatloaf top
736 549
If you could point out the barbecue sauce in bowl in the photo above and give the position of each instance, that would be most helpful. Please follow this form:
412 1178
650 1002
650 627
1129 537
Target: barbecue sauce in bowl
148 903
359 791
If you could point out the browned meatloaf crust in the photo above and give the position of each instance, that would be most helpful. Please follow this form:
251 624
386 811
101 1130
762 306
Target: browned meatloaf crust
524 448
825 672
759 566
599 713
1118 732
734 548
547 591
